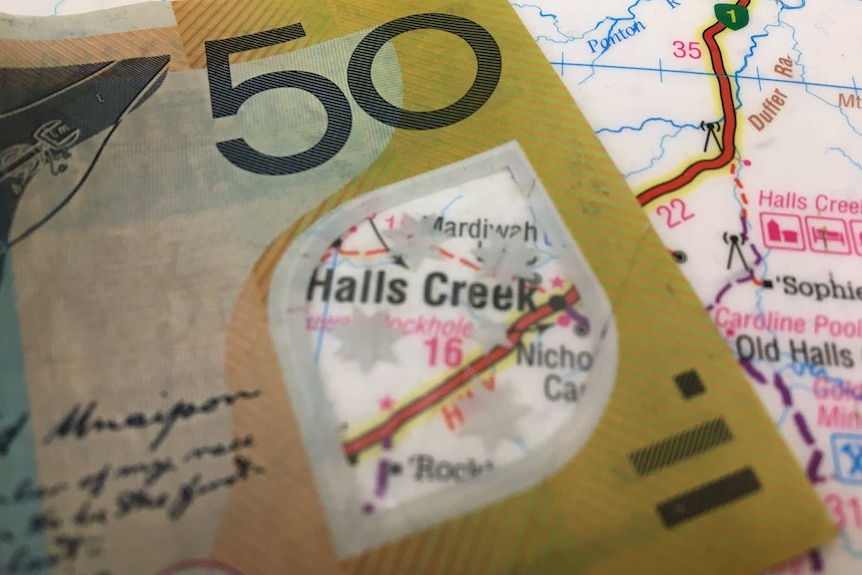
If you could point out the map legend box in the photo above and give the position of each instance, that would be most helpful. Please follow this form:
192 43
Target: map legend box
827 235
856 235
782 231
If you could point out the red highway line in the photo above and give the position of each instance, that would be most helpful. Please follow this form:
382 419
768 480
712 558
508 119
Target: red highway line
457 380
728 147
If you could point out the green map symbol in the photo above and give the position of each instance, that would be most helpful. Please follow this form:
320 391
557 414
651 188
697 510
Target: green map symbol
732 16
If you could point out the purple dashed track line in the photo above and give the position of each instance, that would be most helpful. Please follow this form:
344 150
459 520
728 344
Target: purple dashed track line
723 291
382 478
816 561
751 370
757 256
813 468
802 426
747 278
576 317
786 398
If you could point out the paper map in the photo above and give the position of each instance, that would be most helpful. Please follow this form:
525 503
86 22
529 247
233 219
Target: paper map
738 128
744 147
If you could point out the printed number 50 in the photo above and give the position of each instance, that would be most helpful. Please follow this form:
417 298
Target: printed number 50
227 99
693 51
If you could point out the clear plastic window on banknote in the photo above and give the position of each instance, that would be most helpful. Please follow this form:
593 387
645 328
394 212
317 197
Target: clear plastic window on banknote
428 294
353 287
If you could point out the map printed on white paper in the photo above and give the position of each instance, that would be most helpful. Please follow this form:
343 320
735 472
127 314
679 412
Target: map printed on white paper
739 128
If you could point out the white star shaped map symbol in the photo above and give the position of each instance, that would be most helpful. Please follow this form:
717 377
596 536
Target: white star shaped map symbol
489 334
367 339
415 240
506 259
492 416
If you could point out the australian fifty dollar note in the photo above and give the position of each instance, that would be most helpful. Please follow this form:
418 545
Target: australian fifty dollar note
328 287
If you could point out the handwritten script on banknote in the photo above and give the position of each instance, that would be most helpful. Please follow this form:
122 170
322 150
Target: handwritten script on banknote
141 487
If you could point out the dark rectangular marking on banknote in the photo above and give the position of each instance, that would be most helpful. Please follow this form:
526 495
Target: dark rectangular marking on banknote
689 384
708 497
681 446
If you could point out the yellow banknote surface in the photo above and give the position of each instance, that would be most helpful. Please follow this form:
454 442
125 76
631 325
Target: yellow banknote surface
330 288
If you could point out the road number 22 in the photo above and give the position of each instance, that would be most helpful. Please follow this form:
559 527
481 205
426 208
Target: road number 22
693 50
227 99
671 212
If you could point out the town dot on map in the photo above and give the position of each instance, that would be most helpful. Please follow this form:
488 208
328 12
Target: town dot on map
557 302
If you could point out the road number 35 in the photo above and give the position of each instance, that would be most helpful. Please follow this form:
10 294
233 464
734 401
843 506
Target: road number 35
692 51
